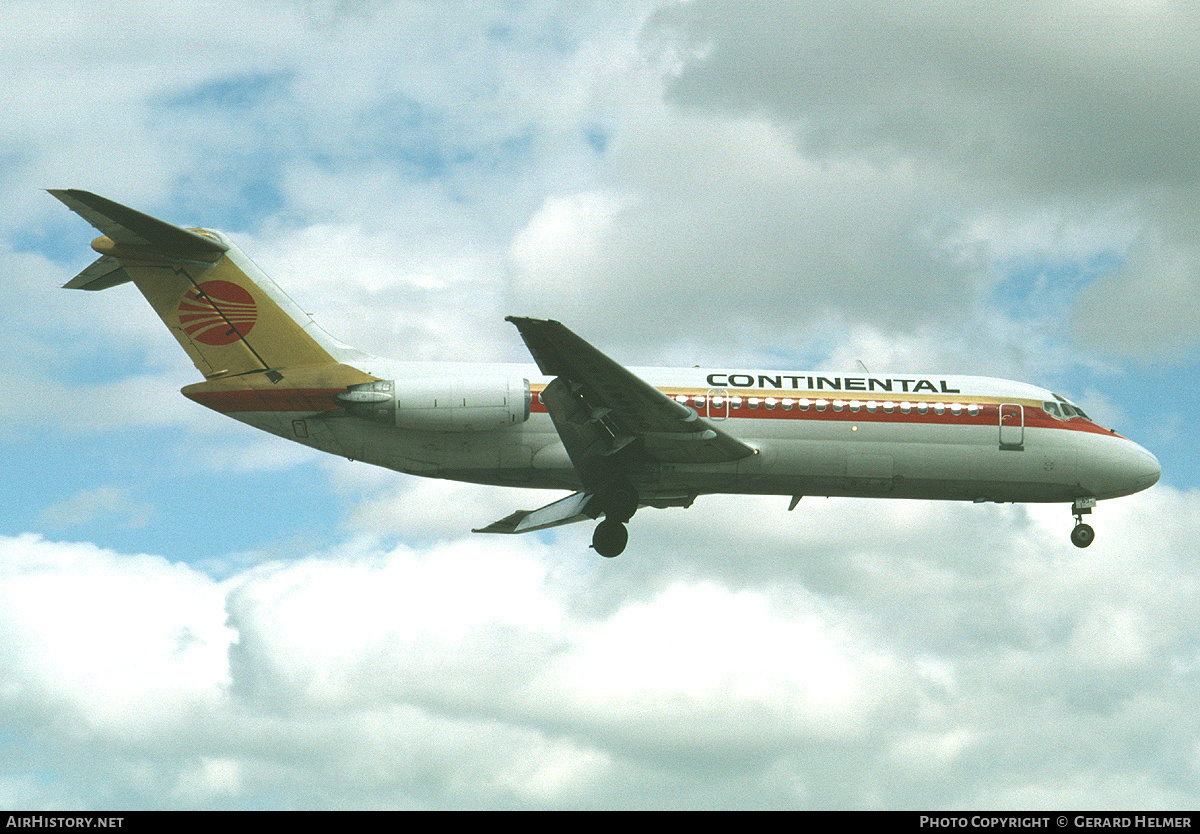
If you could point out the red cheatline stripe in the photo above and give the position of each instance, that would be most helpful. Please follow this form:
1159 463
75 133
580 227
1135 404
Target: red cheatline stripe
988 416
325 399
276 399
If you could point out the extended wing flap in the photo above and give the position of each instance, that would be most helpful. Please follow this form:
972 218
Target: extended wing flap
564 511
597 391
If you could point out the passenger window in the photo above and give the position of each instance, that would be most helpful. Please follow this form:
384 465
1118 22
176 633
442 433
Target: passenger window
752 402
804 404
771 403
787 404
822 405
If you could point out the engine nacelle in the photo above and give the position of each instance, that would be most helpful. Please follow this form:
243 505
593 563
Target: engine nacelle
450 404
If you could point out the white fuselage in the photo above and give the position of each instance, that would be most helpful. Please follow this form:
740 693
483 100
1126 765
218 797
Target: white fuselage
901 436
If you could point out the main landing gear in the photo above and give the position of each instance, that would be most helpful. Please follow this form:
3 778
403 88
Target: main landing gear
620 502
610 538
1083 534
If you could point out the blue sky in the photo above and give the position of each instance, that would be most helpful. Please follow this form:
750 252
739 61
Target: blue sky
227 620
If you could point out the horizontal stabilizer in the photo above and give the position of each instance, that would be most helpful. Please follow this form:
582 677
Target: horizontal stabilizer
564 511
127 227
104 272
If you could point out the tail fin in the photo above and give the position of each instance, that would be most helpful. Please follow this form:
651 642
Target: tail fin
227 315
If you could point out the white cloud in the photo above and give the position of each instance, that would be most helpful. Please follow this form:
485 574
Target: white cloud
524 671
112 503
1061 111
698 665
122 647
715 225
1145 310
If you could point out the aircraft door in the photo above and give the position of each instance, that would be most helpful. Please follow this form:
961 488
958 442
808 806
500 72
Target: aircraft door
718 403
1012 426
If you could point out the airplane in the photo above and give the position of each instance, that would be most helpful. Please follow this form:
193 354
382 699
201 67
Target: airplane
617 438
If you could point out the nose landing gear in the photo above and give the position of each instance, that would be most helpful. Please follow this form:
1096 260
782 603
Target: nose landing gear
1083 534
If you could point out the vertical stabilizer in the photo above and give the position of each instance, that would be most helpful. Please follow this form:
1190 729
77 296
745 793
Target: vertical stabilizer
200 285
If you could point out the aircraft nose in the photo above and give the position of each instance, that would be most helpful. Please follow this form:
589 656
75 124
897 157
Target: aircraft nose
1139 469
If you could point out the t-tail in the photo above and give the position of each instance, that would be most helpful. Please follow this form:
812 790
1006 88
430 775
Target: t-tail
240 330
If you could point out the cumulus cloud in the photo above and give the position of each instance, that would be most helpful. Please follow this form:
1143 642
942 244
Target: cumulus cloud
1052 95
724 224
1061 105
460 675
117 647
1159 286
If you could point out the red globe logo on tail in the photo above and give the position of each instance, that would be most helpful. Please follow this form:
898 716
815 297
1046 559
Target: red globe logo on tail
217 313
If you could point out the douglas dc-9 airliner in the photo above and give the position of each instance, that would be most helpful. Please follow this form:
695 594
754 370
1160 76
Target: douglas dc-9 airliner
618 438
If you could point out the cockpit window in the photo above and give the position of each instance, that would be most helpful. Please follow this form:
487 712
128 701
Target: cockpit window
1068 409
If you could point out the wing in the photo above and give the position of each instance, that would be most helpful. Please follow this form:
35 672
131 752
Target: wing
601 409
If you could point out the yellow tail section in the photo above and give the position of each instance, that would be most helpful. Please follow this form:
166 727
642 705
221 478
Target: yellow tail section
225 321
200 285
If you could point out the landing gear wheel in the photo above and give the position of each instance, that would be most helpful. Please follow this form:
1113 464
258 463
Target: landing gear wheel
610 538
1082 535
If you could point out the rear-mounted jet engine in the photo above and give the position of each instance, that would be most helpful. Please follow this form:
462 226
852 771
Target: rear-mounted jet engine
475 404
